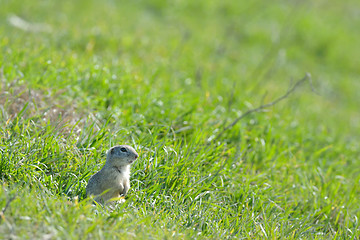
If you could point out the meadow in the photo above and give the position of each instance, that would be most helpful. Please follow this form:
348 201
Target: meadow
168 77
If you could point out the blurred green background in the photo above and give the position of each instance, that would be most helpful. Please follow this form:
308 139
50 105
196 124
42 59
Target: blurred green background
196 49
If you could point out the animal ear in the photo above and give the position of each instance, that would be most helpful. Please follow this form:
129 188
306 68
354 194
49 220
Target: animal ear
112 151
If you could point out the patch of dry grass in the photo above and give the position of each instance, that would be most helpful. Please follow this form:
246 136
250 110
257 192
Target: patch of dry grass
17 99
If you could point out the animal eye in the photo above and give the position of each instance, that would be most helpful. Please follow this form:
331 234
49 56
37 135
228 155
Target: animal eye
123 149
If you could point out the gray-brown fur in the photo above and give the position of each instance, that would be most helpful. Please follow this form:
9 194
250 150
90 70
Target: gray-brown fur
113 180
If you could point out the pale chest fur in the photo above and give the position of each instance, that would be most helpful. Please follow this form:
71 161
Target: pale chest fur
122 174
117 175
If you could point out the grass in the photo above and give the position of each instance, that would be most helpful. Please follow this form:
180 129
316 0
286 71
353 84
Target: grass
164 77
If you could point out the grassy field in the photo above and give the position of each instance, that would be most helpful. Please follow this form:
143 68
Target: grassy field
77 77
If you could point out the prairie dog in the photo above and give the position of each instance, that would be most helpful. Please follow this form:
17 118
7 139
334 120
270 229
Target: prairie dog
113 180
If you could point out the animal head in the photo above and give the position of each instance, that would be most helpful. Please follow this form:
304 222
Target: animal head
121 155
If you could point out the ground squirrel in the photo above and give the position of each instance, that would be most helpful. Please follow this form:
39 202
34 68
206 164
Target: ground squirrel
113 180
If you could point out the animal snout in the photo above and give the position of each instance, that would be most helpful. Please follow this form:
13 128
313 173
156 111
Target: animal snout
136 156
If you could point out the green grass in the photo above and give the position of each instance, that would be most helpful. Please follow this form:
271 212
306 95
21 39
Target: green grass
79 77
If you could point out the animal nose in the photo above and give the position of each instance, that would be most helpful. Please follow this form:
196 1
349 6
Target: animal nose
136 156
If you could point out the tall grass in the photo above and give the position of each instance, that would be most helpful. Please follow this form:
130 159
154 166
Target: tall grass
165 77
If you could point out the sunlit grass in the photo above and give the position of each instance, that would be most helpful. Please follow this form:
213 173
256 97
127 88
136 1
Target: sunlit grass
80 77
